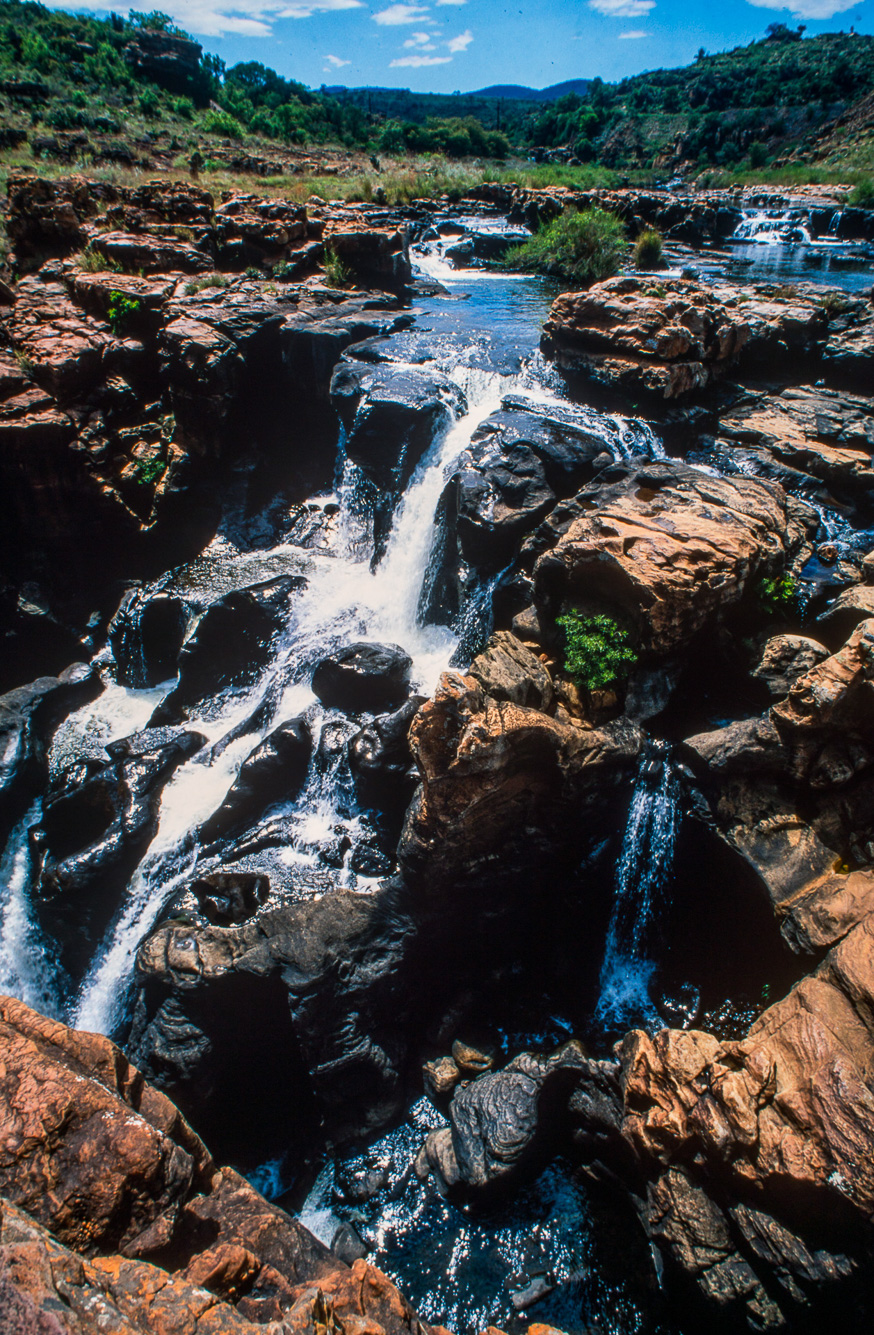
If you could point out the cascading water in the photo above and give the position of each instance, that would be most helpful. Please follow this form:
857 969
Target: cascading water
25 961
642 875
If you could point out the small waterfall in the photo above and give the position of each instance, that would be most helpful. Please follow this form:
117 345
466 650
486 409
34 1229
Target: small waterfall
834 227
642 874
774 227
26 970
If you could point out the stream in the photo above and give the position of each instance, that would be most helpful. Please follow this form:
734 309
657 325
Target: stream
556 1253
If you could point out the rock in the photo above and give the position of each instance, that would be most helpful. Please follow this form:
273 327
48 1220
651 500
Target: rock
666 546
67 350
273 772
106 1164
46 217
142 252
228 898
363 678
370 244
675 336
260 231
347 1245
848 610
470 1061
228 645
162 58
497 1121
784 659
508 671
391 414
146 636
97 819
28 717
440 1078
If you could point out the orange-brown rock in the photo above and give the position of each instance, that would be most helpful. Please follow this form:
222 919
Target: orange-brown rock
675 336
667 545
64 349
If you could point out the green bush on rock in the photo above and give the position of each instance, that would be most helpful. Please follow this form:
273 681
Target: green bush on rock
584 246
648 249
597 650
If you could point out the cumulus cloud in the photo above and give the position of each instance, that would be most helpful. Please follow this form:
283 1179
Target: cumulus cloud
248 18
335 62
623 9
451 2
808 9
634 35
460 43
417 62
397 15
421 41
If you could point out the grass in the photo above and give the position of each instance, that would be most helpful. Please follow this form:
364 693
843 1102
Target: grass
336 272
582 246
208 280
91 261
648 249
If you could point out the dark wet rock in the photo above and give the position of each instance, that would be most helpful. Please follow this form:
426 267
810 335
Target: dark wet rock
229 644
364 678
28 717
391 415
785 658
228 898
520 460
273 772
507 670
347 1245
146 635
381 750
498 1121
97 819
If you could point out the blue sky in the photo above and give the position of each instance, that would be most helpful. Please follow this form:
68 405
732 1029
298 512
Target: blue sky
444 45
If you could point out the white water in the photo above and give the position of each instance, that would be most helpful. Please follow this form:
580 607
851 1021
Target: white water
25 966
641 877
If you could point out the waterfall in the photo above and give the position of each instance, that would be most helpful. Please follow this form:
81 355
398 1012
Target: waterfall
774 227
25 964
642 874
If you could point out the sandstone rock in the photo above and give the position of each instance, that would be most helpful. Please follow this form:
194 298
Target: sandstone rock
850 608
46 217
508 671
164 59
66 350
140 251
784 659
665 545
440 1077
677 336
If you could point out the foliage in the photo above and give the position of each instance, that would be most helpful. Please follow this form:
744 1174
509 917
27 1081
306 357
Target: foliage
122 311
336 272
456 136
208 280
648 249
149 102
222 123
583 246
778 594
597 650
834 303
862 194
91 261
149 471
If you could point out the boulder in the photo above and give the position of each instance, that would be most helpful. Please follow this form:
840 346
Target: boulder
507 670
665 545
273 772
391 415
164 58
785 658
364 678
674 336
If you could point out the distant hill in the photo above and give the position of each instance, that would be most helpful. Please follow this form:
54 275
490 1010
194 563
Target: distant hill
523 94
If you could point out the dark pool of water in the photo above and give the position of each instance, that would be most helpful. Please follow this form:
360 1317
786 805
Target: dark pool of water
832 265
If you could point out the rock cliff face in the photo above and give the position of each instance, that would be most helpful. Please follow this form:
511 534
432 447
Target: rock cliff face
113 1214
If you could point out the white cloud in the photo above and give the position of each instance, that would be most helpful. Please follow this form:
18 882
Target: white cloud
420 40
417 62
623 9
633 36
335 63
808 9
396 15
460 43
451 2
214 18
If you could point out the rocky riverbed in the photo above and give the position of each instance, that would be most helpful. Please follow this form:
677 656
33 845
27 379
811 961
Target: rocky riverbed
302 807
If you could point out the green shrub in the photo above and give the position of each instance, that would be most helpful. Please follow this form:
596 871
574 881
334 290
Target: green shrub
183 107
208 280
584 247
597 650
148 471
862 194
149 102
122 311
220 122
779 594
336 272
648 249
834 303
